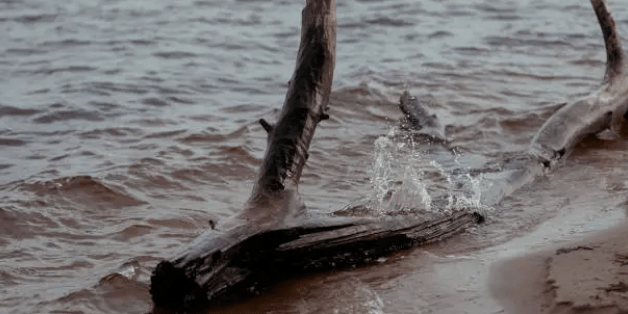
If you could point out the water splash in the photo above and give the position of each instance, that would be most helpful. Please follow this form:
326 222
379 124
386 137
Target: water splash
398 185
408 177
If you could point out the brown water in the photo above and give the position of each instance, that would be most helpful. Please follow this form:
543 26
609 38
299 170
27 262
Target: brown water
127 125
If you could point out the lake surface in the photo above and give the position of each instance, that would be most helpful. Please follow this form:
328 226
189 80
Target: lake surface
125 126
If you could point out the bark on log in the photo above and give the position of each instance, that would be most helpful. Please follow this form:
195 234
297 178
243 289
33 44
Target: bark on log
245 259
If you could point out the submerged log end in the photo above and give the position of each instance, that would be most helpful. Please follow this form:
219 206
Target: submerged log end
171 288
479 218
324 116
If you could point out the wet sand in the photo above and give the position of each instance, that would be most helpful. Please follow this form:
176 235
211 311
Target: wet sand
585 276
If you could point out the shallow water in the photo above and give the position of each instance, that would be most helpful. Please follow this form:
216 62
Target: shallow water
127 125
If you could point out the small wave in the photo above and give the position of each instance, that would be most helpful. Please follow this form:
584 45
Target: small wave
174 54
440 34
114 293
594 63
385 21
180 100
471 51
85 190
23 52
202 137
132 232
69 69
213 137
22 224
105 88
506 17
66 43
34 18
511 42
493 9
11 142
142 42
116 132
511 74
104 106
65 115
152 101
205 3
241 108
13 111
8 279
165 134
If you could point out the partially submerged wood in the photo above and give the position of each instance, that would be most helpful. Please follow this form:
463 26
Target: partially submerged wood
243 257
418 119
271 237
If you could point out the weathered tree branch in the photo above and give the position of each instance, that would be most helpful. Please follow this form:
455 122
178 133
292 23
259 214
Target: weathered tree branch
305 105
602 110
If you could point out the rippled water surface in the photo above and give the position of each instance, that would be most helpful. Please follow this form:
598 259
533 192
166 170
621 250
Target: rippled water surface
125 126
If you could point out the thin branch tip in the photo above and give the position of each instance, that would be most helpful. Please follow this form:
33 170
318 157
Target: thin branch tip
267 126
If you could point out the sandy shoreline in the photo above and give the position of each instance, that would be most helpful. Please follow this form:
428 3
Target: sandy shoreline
586 276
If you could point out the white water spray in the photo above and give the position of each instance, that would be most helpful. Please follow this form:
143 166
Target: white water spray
406 177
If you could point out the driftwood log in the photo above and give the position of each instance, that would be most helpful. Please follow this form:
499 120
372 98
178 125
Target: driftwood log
272 237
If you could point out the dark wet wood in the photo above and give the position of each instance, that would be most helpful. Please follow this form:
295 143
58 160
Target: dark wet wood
231 263
417 116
